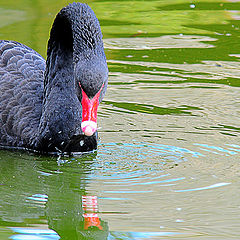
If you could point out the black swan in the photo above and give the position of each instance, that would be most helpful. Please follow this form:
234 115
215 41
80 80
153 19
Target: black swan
51 106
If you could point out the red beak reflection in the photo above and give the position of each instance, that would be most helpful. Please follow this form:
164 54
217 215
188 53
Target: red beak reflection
90 209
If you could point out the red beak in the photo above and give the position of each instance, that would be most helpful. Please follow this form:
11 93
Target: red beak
89 112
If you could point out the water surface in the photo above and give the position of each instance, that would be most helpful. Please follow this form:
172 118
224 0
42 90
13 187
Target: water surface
167 166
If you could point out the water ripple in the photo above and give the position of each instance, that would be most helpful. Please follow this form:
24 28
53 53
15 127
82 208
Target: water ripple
219 150
139 235
166 41
204 188
34 234
157 182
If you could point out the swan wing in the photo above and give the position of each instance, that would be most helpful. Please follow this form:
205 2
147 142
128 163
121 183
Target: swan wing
21 93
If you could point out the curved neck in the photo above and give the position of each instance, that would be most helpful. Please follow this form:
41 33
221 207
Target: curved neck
74 35
59 54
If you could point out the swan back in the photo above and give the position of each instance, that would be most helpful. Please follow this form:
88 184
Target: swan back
21 91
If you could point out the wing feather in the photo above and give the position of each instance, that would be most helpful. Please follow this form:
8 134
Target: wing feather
21 93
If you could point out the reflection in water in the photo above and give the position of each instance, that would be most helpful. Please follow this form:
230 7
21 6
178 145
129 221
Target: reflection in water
58 196
204 188
82 226
40 198
150 109
166 41
217 150
54 195
34 234
11 16
58 199
216 70
90 208
38 234
140 235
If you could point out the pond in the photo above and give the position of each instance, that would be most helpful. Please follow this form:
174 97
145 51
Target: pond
167 165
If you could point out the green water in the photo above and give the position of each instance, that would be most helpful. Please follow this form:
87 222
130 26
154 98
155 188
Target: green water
167 165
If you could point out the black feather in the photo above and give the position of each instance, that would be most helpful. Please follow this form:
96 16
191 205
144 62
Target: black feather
40 106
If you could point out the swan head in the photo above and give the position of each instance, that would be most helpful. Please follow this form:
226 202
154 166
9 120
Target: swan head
92 84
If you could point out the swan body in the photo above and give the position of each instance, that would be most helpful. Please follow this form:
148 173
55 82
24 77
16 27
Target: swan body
51 106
